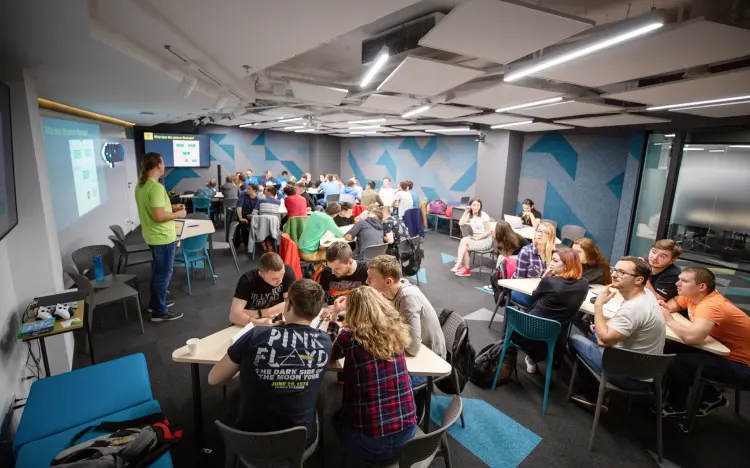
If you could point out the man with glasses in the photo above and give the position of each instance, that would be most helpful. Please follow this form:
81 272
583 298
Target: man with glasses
637 325
664 273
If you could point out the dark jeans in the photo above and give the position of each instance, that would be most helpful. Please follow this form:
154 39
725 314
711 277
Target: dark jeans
374 449
524 300
682 372
161 273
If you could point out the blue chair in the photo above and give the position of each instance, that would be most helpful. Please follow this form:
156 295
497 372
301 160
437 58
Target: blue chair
203 205
192 251
533 328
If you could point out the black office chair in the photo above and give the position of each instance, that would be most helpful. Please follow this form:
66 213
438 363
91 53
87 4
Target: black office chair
127 259
120 234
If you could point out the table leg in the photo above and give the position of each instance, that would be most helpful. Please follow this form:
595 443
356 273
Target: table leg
43 347
89 338
195 374
428 404
693 401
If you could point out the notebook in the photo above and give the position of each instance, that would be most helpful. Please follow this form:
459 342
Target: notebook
179 226
514 221
239 334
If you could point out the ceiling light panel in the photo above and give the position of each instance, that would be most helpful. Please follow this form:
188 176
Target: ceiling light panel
389 103
420 127
504 95
494 119
442 111
567 109
694 43
730 109
736 83
270 125
482 28
412 134
346 135
285 112
316 93
539 127
425 77
612 120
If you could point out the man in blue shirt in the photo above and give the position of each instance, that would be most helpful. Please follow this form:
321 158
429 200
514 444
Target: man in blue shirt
329 187
207 191
246 204
249 178
283 179
268 178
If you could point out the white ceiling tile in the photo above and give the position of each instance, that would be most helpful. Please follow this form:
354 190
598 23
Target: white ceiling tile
420 127
612 120
567 109
346 135
425 77
735 83
725 110
338 125
317 93
672 48
257 117
285 112
442 111
341 117
539 127
500 31
395 122
389 103
412 134
273 124
504 95
494 119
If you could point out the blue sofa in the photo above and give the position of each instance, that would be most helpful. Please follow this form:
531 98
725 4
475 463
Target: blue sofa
60 406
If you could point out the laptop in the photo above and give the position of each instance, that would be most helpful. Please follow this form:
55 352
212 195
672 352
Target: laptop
515 221
464 201
179 226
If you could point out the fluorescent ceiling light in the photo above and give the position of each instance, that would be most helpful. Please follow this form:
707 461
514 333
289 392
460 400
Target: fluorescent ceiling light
289 120
669 135
448 130
715 151
354 122
597 46
711 105
691 148
305 130
248 125
739 146
708 103
380 60
513 124
416 111
298 127
365 127
363 133
530 104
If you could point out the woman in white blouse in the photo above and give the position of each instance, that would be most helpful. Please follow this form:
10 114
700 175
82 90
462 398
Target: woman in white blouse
481 238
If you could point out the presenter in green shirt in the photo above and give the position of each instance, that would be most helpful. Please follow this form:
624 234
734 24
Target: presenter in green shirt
157 217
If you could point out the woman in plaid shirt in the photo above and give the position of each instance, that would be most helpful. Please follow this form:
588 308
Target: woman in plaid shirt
378 412
533 259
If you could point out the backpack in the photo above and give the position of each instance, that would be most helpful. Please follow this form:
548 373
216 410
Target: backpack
485 365
411 261
135 443
449 211
437 207
461 358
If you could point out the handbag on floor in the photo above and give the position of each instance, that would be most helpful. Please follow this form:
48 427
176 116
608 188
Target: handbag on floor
485 365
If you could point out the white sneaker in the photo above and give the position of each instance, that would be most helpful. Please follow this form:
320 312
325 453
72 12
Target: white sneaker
530 366
457 267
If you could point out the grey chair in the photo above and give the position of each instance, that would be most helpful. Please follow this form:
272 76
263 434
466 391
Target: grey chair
118 292
254 449
450 329
127 259
347 198
572 232
232 229
632 364
467 231
368 253
132 248
404 247
456 214
83 259
332 198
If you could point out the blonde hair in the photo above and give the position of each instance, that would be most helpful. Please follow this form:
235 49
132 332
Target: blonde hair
546 253
376 324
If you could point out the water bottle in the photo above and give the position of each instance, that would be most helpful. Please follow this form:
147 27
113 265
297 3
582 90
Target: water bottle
98 268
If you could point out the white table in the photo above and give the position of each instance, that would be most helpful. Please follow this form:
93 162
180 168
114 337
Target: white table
218 196
212 349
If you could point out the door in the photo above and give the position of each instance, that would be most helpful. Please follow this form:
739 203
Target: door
131 178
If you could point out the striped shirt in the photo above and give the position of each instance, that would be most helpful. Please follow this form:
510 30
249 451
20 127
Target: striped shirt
268 206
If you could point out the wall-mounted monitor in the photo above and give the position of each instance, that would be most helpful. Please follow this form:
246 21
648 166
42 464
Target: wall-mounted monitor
179 150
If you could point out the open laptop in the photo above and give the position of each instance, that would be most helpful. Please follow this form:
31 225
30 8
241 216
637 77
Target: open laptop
515 221
464 201
179 226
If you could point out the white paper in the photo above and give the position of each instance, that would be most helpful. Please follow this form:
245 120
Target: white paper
239 334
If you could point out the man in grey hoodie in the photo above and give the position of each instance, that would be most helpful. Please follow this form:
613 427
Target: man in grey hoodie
368 231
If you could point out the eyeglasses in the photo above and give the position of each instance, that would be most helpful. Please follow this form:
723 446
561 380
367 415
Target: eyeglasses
541 231
619 272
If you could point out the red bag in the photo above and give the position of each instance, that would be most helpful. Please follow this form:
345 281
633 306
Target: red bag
449 211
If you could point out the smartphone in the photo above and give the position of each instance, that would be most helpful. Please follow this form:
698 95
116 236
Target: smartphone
278 318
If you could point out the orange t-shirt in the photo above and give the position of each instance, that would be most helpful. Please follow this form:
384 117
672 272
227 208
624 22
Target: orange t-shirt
732 324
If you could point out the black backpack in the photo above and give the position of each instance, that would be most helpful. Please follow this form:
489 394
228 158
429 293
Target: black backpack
411 261
485 365
461 358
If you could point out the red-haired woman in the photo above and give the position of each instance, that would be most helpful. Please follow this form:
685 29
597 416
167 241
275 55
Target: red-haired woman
558 296
595 265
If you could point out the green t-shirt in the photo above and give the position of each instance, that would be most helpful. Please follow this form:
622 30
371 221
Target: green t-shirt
317 225
152 194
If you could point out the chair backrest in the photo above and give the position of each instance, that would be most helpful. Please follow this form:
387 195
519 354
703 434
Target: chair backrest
83 258
334 197
197 216
425 446
195 243
201 203
373 251
457 212
347 198
551 221
531 326
83 284
295 226
466 230
634 364
449 328
232 228
572 232
230 202
405 245
264 449
117 230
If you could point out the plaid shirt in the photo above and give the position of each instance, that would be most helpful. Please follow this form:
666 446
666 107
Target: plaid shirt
378 398
530 264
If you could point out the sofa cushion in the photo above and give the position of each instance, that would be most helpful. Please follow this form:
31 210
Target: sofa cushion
40 453
68 400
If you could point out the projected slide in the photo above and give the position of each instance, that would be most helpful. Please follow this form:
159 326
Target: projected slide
77 174
186 153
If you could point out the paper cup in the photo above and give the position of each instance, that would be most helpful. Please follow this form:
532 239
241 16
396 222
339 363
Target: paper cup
192 345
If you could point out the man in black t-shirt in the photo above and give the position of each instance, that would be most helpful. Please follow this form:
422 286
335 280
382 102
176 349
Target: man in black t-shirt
281 366
261 291
343 273
664 273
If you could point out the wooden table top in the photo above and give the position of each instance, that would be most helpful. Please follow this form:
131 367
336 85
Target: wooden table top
213 347
78 313
528 285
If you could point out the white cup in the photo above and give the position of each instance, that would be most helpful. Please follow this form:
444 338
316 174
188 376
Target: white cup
192 345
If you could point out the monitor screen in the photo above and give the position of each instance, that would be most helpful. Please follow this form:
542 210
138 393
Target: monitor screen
179 150
8 211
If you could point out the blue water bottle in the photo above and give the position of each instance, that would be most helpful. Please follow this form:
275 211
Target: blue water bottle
98 268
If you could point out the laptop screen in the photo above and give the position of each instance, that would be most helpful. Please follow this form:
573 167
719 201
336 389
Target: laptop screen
465 201
179 225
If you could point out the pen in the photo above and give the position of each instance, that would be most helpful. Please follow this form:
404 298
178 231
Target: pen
193 225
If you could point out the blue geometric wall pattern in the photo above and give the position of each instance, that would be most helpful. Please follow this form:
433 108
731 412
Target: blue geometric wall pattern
580 179
242 149
441 167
